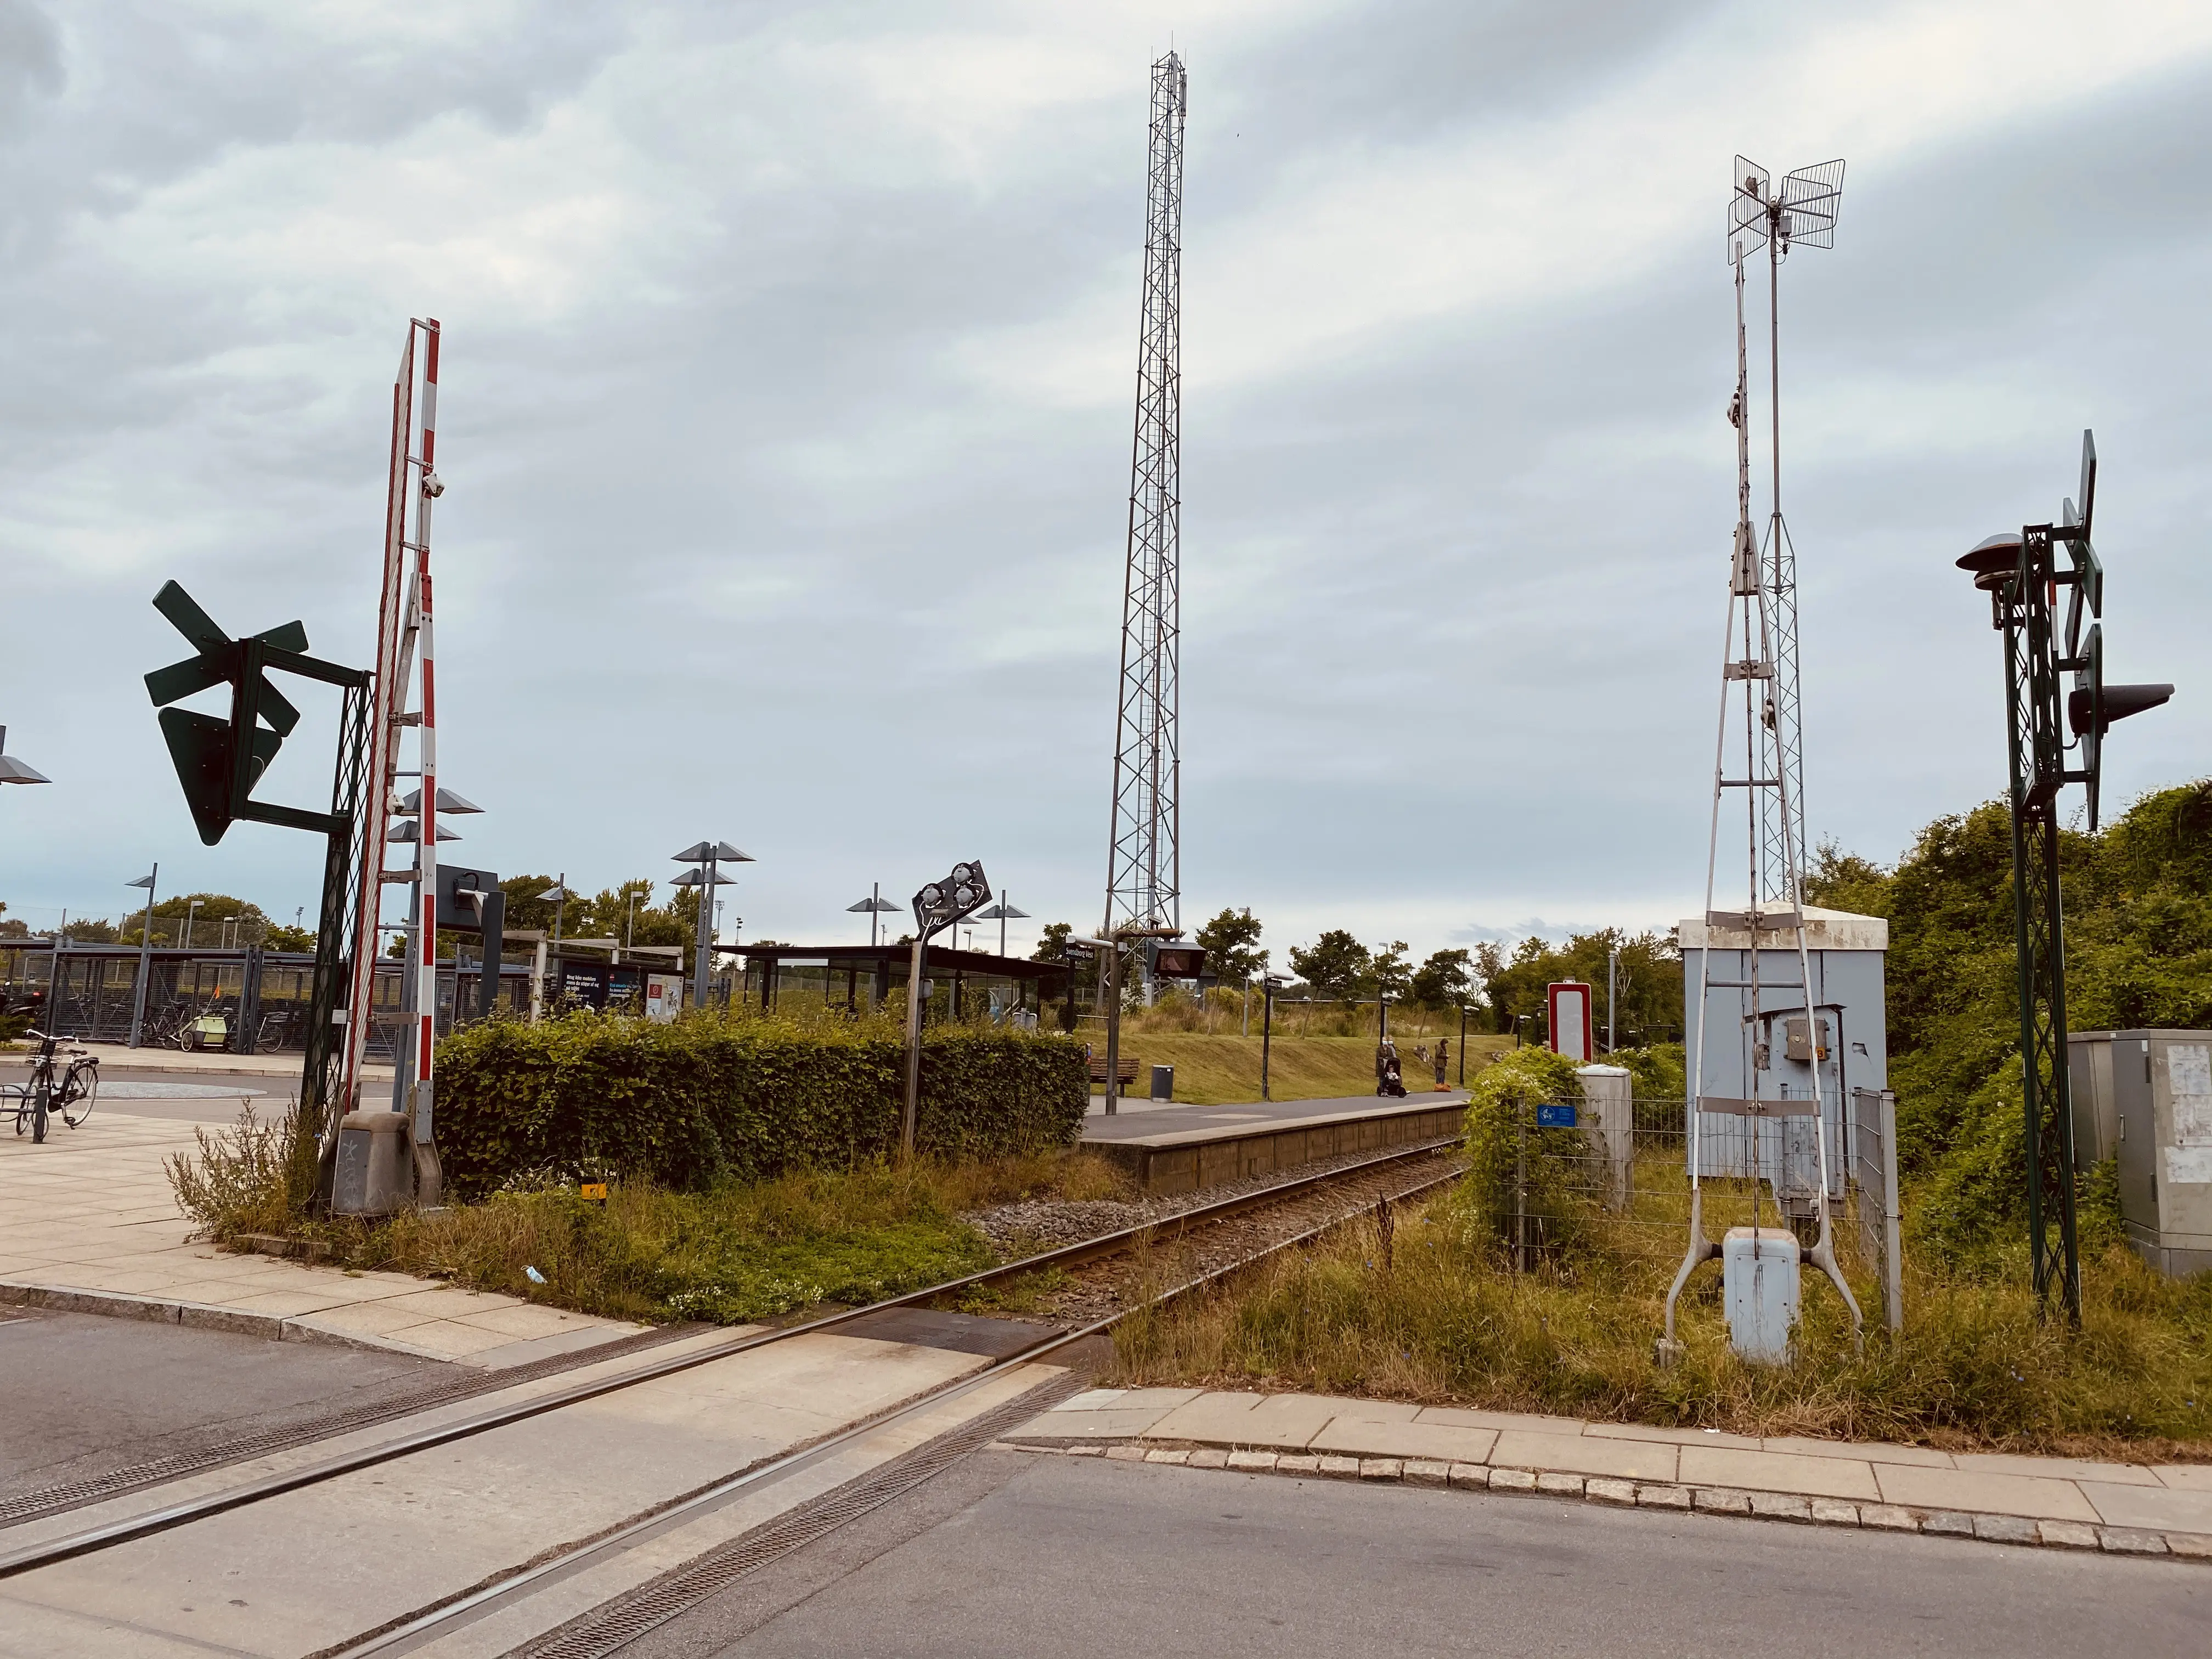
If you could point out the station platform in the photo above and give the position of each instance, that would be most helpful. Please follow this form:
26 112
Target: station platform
1168 1147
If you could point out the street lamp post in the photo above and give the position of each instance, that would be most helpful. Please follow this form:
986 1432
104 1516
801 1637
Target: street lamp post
1269 984
1462 1045
190 908
145 953
706 858
874 903
999 913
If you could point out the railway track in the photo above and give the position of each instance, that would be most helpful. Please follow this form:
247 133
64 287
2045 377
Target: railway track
1094 1283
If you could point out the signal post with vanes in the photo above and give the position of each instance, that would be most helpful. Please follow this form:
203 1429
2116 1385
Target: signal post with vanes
2022 573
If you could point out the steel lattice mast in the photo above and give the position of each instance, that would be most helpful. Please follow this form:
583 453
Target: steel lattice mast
1801 213
1144 870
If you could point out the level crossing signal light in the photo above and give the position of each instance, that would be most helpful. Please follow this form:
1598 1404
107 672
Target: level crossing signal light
2022 572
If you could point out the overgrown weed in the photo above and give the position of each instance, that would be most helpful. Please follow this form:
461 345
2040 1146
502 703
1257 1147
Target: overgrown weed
735 1253
1450 1324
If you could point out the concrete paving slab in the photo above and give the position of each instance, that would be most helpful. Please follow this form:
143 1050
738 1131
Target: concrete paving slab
1765 1471
1461 1417
1671 1436
2187 1477
1992 1494
1575 1453
2067 1468
1363 1437
2160 1506
1132 1400
1225 1419
1866 1451
1107 1424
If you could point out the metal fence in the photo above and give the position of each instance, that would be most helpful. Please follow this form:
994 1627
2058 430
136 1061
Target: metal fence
1619 1169
260 997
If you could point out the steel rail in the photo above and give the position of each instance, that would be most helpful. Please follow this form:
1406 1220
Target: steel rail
490 1597
163 1519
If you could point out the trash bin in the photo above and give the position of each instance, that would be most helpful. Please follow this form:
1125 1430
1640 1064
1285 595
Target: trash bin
1163 1083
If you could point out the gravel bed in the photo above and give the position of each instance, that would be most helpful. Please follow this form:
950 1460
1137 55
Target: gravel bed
1048 1223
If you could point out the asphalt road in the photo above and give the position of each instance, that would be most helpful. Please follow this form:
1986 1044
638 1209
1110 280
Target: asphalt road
86 1395
1054 1558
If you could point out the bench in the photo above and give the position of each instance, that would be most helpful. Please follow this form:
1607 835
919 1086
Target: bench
1125 1070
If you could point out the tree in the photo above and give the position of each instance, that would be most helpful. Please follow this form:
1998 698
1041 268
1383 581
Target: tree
1648 988
1391 972
1228 941
1336 966
525 909
1053 947
208 911
1442 981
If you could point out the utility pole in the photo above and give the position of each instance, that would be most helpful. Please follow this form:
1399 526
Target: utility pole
1144 873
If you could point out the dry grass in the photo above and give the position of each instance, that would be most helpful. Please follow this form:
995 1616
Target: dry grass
1448 1323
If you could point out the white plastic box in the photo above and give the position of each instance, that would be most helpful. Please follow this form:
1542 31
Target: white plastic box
1759 1288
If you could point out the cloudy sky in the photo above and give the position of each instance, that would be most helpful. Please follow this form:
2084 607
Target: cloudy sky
785 419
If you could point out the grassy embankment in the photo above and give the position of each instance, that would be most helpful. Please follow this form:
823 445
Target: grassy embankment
1317 1052
737 1252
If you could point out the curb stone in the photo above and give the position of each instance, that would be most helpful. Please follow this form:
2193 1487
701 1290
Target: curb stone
1710 1500
2131 1540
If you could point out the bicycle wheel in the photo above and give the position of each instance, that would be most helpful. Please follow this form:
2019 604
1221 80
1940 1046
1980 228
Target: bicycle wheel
79 1092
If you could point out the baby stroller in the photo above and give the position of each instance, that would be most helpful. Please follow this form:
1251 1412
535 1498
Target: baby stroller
1389 1078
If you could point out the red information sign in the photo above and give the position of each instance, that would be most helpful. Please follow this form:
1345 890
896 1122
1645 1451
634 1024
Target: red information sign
1568 1004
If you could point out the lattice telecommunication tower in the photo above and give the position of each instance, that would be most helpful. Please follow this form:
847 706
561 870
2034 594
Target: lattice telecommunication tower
1802 213
1144 877
1759 739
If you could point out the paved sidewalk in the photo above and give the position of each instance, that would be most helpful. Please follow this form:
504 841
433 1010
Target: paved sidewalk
87 1221
2052 1500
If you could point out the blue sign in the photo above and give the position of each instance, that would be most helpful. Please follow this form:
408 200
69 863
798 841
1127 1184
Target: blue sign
1555 1117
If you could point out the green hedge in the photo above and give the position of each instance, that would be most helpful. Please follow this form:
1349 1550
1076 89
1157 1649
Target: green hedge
704 1099
1501 1128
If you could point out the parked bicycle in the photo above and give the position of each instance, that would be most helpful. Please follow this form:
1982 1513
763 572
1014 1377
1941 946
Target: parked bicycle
70 1090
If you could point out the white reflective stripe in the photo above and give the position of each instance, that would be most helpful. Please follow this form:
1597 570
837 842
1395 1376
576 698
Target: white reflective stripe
428 745
422 639
429 405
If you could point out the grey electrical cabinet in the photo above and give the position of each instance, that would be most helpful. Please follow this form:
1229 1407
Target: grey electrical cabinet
2145 1099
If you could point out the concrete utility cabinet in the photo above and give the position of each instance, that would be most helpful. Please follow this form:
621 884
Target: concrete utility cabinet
1773 1055
2145 1098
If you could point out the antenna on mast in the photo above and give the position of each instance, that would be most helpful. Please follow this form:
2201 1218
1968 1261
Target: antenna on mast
1759 654
1801 212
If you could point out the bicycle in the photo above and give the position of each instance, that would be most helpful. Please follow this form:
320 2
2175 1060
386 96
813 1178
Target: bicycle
37 1100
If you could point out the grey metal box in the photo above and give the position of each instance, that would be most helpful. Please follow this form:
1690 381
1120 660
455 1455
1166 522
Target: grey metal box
2144 1099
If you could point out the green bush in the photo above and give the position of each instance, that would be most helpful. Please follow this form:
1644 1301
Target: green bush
744 1097
1501 1129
